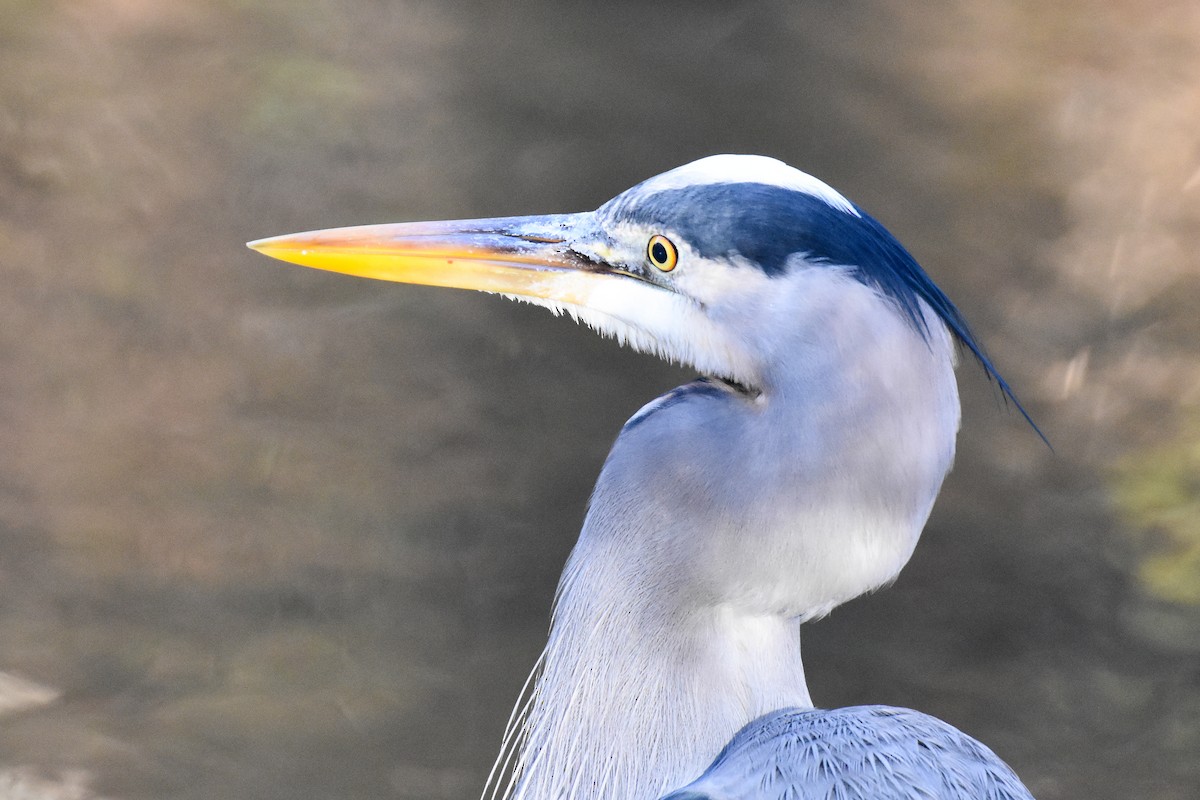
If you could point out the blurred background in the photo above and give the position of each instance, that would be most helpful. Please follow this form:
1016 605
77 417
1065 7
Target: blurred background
270 533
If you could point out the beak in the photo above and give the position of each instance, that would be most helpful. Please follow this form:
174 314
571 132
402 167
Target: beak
529 257
559 261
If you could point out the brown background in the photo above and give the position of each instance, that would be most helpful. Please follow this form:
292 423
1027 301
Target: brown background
268 533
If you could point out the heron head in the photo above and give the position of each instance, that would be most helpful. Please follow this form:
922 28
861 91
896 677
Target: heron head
702 265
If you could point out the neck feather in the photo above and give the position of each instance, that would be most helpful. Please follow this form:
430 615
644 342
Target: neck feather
633 697
720 522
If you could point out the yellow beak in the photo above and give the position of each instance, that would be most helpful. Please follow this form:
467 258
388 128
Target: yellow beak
526 256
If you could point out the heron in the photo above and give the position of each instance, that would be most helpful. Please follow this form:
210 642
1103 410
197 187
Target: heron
795 473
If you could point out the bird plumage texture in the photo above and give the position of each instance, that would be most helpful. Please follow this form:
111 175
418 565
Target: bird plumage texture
875 752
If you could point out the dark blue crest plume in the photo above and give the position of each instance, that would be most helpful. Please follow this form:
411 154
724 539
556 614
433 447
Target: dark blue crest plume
767 225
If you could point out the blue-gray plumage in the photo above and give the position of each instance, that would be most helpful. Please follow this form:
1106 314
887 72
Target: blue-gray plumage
767 225
796 473
875 752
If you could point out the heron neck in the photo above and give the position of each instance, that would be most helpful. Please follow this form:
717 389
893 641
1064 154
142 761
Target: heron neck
720 521
634 695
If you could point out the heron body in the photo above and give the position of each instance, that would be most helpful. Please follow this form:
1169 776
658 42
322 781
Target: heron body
857 752
795 474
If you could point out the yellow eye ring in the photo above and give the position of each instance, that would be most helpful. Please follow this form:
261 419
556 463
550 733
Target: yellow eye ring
662 253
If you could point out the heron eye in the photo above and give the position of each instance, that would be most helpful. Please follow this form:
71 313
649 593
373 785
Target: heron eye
662 253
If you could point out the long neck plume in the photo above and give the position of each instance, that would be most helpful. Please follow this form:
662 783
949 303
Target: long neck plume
633 696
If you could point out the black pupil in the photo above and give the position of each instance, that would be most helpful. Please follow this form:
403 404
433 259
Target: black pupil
658 251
